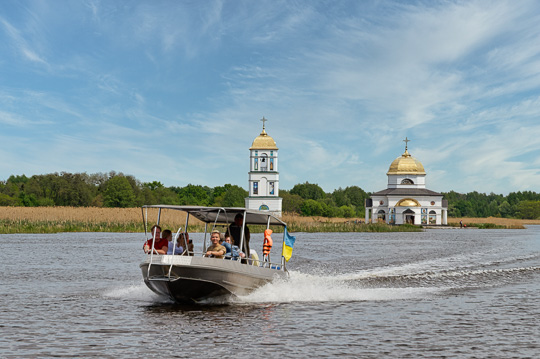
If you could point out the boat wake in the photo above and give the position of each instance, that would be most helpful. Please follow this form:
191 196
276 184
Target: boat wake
138 292
419 280
303 287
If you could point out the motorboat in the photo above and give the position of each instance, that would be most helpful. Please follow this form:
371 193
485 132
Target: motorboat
193 277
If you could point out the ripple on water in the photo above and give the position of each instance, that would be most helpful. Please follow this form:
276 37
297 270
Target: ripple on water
445 293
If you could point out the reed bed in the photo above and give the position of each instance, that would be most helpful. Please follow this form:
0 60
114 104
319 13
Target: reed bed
94 219
492 222
86 219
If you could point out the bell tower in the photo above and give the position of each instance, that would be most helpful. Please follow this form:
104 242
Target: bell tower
264 174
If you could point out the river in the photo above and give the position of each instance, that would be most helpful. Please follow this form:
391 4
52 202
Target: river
442 293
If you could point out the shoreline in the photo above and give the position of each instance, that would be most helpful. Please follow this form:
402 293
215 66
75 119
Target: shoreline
95 219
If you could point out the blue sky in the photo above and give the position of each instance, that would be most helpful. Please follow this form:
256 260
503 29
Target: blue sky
173 91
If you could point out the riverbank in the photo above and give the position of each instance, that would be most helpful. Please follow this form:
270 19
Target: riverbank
129 220
509 223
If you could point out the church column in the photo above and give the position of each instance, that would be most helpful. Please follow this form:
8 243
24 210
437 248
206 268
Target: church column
445 217
367 216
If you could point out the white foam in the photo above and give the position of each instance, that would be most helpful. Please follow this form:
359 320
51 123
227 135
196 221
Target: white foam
136 292
308 288
464 264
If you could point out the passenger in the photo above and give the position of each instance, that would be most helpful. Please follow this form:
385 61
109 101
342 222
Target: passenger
189 246
186 243
160 244
167 234
216 250
228 247
232 250
235 230
176 248
236 252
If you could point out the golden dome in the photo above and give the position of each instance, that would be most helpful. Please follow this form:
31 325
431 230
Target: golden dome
406 165
263 142
408 202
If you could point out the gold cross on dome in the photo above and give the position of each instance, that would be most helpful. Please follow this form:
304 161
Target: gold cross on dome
406 140
263 121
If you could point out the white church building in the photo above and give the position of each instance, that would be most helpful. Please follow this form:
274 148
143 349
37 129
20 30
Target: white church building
406 198
264 175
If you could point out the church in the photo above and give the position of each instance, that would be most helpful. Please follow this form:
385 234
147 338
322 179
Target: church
406 198
264 175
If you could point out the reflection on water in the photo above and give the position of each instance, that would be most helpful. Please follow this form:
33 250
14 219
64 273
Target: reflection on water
440 293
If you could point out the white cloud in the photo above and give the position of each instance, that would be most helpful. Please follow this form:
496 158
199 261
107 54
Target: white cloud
184 86
20 44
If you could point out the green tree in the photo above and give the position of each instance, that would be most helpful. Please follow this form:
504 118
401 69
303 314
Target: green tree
118 193
147 196
506 210
291 202
308 191
160 193
357 197
347 211
528 210
340 198
6 200
153 185
233 196
311 207
194 195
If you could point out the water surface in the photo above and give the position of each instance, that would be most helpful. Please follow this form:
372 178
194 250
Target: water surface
441 293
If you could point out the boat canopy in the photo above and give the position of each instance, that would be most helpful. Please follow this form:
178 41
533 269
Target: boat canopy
224 214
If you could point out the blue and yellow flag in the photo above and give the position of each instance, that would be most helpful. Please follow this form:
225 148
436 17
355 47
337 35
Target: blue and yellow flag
288 243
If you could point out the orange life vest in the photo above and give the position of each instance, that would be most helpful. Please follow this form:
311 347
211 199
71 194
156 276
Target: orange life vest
267 245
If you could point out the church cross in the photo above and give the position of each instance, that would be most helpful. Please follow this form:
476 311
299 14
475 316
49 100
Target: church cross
406 140
263 121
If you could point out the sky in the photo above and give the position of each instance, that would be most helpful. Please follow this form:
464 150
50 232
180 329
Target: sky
173 91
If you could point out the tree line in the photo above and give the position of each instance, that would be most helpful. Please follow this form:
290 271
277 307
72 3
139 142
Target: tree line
118 190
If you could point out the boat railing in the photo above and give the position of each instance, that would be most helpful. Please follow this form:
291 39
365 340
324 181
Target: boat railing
158 259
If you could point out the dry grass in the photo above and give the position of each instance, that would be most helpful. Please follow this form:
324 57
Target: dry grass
123 215
296 218
55 219
87 218
83 214
508 222
130 219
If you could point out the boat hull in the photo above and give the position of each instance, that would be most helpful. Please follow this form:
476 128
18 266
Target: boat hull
193 279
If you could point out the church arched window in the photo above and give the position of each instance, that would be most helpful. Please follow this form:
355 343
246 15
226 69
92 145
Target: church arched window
264 162
256 160
407 181
432 217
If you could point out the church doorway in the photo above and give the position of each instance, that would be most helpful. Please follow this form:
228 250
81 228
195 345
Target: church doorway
408 216
381 216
